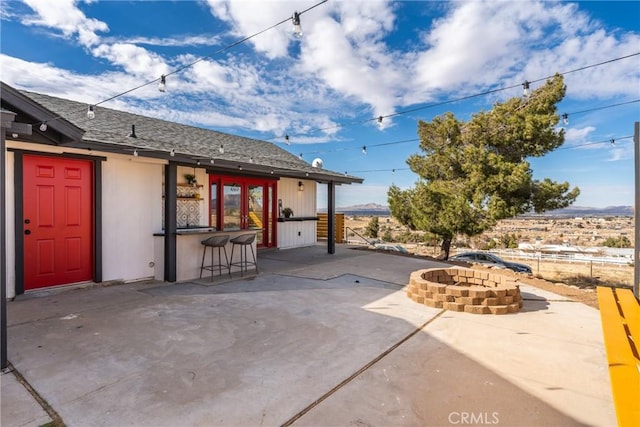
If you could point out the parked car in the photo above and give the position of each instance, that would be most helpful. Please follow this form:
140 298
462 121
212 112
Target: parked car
390 247
491 260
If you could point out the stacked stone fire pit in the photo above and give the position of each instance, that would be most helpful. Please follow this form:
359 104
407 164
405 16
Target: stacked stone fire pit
464 289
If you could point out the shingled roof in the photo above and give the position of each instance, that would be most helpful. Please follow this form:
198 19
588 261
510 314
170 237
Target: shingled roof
156 138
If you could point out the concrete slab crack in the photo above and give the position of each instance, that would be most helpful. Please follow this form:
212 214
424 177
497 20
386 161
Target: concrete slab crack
353 376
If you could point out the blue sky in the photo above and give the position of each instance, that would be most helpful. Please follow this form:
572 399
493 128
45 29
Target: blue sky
356 60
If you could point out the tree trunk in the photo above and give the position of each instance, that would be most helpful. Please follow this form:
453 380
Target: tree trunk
445 246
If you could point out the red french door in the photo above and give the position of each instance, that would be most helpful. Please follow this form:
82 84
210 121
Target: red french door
57 221
241 203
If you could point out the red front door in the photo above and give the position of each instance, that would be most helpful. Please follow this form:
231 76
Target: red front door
58 221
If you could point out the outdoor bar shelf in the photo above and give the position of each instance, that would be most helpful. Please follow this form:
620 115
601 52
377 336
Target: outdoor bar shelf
298 218
189 250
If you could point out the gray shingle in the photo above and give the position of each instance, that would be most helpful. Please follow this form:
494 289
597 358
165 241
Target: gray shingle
110 128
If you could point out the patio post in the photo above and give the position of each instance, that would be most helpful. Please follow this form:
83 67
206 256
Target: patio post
170 223
636 213
7 118
331 213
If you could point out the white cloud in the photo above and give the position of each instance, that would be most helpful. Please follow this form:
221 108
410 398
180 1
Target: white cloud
134 59
174 41
248 17
63 15
576 135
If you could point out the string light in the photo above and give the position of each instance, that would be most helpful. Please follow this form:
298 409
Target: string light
162 86
212 161
221 149
286 140
135 153
300 156
525 89
364 150
380 121
90 113
465 98
172 153
198 162
297 28
251 159
43 127
610 141
565 119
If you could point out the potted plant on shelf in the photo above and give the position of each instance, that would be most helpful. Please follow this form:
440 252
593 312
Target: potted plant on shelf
191 178
287 212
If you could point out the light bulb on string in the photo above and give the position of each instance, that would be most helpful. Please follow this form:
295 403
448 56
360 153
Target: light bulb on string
162 86
297 28
135 153
300 156
364 150
380 121
251 159
221 149
393 171
212 161
43 127
565 119
286 140
91 114
613 142
172 153
526 91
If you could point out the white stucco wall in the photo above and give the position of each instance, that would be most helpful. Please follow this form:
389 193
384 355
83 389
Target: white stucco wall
132 211
293 234
10 221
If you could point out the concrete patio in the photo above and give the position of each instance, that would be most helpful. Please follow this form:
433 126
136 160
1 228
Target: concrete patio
314 339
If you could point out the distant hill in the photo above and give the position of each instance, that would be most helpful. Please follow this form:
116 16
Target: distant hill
382 210
366 209
589 211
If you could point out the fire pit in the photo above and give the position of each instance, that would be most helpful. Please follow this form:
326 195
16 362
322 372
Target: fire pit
465 289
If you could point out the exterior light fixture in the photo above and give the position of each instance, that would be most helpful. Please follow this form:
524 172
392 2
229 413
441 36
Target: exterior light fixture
565 119
221 149
300 186
162 86
525 89
43 127
132 134
172 153
91 114
286 140
297 28
364 150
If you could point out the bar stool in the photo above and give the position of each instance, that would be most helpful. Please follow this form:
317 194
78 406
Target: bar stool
215 242
244 240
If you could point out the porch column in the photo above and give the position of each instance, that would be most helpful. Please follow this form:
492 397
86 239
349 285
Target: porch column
7 118
170 223
331 213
